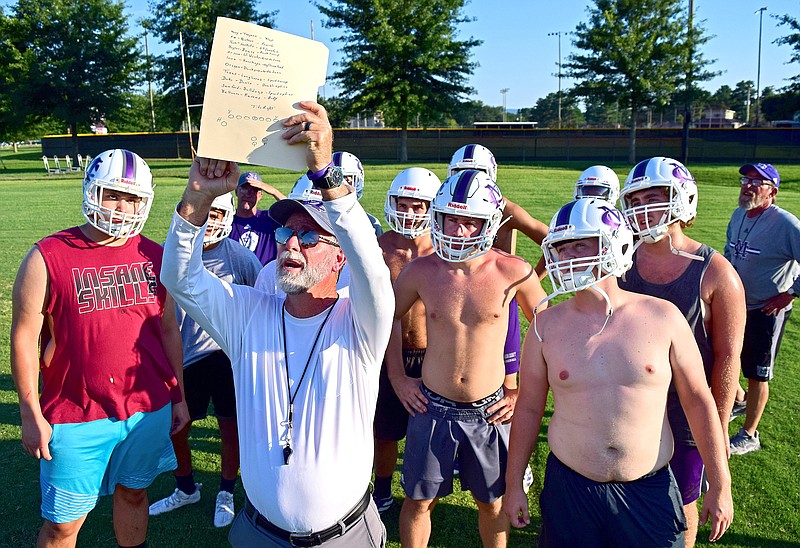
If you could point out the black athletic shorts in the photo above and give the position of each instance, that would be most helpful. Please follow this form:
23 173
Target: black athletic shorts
391 418
210 379
577 511
762 339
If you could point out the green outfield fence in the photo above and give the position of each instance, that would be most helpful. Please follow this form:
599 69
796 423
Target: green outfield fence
508 145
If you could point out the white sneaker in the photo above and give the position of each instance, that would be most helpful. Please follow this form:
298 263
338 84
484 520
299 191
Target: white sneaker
175 500
224 512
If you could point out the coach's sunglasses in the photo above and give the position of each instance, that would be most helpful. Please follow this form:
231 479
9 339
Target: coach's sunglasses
307 238
755 182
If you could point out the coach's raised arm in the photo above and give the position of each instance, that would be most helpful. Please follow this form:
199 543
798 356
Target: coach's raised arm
306 365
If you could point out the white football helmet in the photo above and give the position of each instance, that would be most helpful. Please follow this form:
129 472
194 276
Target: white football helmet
219 230
417 183
680 203
473 157
468 193
588 218
122 171
598 182
305 191
351 167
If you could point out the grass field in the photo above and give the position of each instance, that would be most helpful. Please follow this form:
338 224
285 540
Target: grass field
766 484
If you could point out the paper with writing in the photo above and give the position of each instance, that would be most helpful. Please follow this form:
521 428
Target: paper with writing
256 76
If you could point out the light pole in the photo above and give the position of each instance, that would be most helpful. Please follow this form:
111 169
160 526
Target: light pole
559 33
504 91
760 13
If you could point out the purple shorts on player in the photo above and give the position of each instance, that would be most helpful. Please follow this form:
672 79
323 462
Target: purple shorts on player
511 347
687 467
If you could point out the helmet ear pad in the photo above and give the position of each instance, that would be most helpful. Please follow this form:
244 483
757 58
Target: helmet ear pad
468 193
121 171
414 183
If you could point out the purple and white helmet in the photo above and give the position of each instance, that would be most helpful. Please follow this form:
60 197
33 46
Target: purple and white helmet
598 182
680 203
305 191
468 193
473 157
218 230
417 183
122 171
588 218
351 167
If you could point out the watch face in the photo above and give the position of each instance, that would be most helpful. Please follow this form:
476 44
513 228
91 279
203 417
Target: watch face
334 176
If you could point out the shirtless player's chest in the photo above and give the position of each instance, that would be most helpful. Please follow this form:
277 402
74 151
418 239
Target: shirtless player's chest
468 300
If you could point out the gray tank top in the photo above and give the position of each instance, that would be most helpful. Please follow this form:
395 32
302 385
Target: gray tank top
684 293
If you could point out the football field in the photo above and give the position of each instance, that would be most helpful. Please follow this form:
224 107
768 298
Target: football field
766 484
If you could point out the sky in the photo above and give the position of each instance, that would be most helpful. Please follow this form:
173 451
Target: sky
518 54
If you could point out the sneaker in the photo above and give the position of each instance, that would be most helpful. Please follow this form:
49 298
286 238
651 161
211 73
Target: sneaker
739 409
175 500
743 443
383 504
224 513
527 479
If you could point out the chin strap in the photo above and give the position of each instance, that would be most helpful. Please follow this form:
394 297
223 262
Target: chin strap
680 253
551 295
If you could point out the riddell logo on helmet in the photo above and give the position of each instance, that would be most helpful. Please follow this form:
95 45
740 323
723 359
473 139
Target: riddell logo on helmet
409 188
456 205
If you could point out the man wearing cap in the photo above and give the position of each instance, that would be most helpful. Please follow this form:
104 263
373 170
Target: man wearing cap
305 365
763 244
253 228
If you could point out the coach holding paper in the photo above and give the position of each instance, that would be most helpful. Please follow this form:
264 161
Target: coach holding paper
306 365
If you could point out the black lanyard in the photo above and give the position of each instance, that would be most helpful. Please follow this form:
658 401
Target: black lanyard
287 449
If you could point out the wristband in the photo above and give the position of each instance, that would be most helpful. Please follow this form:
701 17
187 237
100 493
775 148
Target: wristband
317 175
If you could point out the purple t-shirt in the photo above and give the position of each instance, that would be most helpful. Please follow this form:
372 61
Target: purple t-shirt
257 234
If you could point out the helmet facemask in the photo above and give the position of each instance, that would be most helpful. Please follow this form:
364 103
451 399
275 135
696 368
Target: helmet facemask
219 227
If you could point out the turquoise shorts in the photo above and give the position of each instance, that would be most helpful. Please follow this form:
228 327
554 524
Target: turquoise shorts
90 459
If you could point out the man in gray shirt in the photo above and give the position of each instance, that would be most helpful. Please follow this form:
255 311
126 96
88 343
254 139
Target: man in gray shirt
763 244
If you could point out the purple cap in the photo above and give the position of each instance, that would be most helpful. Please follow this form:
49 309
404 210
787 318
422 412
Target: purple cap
765 170
281 210
253 179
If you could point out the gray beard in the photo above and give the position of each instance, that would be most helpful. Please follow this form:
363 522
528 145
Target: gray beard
752 202
294 284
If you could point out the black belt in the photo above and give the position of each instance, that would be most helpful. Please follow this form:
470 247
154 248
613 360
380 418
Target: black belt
311 539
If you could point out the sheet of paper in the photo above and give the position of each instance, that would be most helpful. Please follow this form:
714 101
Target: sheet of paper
256 76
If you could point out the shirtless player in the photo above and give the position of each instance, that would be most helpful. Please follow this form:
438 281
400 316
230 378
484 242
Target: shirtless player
407 210
609 356
461 408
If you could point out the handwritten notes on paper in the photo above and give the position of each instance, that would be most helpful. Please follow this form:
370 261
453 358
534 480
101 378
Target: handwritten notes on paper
256 76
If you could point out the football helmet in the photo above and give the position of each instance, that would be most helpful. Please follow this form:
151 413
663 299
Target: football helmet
218 230
680 203
473 157
468 193
351 167
598 182
122 171
417 183
305 191
587 218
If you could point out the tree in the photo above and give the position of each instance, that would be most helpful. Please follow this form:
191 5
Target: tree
792 40
402 58
781 106
546 112
196 20
635 52
73 60
469 112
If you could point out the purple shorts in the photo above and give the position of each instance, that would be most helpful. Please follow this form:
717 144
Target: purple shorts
511 347
687 467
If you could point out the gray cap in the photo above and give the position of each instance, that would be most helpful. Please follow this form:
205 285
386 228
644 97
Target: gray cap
283 209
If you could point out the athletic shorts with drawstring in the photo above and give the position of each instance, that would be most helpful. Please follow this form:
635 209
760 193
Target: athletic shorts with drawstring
451 430
577 511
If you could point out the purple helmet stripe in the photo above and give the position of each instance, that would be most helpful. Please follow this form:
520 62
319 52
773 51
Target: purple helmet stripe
337 159
469 152
129 165
564 213
463 184
640 169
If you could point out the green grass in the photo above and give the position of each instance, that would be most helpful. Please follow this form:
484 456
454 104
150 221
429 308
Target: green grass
766 484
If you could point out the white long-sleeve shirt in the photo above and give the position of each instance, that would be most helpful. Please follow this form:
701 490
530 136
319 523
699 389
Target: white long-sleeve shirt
332 440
